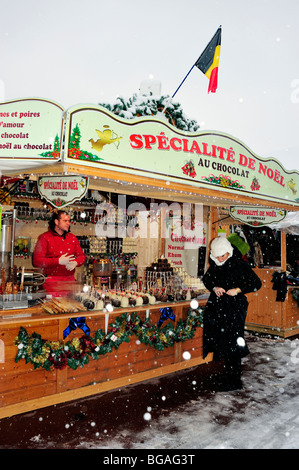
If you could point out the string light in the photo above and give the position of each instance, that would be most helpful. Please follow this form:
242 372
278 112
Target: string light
140 189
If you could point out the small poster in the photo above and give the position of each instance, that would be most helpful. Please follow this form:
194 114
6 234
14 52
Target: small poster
257 216
61 191
30 129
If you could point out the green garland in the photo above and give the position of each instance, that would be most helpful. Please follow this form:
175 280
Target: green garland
224 181
149 105
58 354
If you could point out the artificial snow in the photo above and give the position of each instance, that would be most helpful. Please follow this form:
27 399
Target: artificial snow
152 105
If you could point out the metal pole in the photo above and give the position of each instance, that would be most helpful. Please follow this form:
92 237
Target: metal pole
168 101
14 212
183 81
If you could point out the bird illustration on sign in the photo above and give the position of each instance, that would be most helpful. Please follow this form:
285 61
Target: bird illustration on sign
291 184
107 136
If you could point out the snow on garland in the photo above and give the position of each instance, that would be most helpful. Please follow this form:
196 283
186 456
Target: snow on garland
46 354
150 105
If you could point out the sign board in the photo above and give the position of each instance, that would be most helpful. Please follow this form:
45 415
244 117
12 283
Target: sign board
61 191
257 216
31 133
151 147
182 250
30 129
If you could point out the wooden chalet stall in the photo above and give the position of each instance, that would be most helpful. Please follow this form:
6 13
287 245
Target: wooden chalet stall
159 171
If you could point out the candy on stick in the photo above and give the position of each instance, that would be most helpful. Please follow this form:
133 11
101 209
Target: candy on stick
22 279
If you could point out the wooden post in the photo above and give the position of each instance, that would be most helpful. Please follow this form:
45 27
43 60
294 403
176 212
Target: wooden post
283 251
61 376
283 241
212 231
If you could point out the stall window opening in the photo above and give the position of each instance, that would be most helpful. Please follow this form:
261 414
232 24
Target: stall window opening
265 246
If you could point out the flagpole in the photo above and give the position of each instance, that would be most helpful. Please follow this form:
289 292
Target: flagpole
168 101
183 81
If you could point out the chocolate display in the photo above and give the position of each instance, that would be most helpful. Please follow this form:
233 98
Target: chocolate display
100 299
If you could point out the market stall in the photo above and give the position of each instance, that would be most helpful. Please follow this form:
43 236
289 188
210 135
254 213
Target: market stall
145 200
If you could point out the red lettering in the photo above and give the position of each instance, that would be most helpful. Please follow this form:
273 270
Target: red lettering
72 185
262 169
251 163
230 155
136 141
222 150
195 147
162 142
243 160
277 176
185 145
172 143
214 148
205 149
247 161
149 140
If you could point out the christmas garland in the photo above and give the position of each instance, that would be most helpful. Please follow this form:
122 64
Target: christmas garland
149 105
58 354
224 181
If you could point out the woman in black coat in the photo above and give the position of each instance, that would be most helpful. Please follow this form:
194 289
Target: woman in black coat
228 279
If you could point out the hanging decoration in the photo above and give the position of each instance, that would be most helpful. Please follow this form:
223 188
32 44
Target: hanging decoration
77 352
61 191
74 323
166 313
188 169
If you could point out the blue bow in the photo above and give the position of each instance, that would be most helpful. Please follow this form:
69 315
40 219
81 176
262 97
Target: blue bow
166 312
74 323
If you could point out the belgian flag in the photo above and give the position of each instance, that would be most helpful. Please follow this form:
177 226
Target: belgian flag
208 61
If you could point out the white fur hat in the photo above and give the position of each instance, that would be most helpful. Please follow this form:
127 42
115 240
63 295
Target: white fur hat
219 247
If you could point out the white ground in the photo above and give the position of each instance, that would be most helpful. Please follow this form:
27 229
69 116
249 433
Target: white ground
264 415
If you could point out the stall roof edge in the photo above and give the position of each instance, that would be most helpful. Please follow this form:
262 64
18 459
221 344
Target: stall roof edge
144 186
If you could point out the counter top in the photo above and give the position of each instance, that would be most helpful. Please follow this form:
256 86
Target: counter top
37 314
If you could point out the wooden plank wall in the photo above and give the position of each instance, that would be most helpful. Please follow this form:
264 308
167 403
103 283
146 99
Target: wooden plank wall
281 318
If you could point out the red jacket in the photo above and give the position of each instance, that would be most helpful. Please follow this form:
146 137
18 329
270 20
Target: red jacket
50 246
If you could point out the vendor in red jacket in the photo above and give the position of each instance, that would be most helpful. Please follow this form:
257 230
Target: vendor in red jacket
58 253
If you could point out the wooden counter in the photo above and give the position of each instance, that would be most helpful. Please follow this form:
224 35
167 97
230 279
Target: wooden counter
266 315
24 388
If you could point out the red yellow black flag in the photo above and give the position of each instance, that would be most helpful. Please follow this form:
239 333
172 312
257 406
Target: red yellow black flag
208 61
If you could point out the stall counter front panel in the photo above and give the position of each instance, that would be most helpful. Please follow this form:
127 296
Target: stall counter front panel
126 358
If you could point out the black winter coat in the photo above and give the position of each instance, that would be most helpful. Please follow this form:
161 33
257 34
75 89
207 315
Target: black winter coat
224 317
